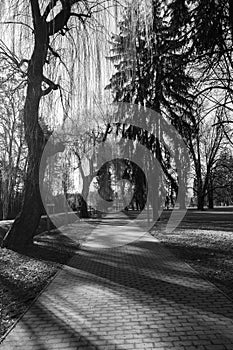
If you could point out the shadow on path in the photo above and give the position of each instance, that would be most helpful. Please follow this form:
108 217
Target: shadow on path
133 296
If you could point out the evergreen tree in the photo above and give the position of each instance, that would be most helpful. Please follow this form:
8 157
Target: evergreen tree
151 60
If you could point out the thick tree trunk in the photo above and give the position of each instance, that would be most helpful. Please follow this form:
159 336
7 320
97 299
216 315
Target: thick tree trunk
210 201
24 227
22 232
200 193
200 200
83 207
83 214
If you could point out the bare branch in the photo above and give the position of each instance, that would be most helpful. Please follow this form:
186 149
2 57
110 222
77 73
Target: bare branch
55 54
51 84
81 15
18 22
209 88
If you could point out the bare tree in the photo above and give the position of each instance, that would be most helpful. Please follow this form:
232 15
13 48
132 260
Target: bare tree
204 144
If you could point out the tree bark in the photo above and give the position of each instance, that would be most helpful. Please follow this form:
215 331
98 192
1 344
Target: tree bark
24 227
210 192
83 213
85 190
200 195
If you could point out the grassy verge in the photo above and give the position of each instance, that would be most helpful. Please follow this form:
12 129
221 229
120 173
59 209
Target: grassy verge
21 280
23 277
205 241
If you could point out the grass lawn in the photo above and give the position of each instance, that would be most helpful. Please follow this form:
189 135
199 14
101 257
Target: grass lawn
203 240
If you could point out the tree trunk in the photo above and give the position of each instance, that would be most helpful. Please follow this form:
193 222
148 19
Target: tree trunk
200 200
83 214
200 186
210 200
200 193
210 193
85 190
5 199
24 227
154 191
182 178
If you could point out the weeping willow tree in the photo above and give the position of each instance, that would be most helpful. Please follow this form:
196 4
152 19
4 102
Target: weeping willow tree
41 47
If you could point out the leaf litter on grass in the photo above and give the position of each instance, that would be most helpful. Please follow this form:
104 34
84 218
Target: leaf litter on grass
209 252
21 280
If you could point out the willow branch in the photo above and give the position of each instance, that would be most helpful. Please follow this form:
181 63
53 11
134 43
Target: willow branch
18 22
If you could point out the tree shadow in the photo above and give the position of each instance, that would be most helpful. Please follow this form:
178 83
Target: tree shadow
45 328
217 219
111 265
150 274
149 278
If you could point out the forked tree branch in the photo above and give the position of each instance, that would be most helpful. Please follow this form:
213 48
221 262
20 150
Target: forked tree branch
51 84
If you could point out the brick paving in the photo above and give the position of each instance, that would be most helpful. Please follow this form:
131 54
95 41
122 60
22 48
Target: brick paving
135 296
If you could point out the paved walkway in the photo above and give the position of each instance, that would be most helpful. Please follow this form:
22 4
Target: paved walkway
136 296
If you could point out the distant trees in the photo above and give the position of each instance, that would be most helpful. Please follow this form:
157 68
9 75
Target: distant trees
84 149
13 154
207 26
222 178
205 147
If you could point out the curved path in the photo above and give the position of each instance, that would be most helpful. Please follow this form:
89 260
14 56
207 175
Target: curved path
134 296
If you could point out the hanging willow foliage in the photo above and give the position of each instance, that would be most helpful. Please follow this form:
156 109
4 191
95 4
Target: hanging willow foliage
76 60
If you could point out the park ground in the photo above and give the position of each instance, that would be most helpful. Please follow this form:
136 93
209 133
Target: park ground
203 240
